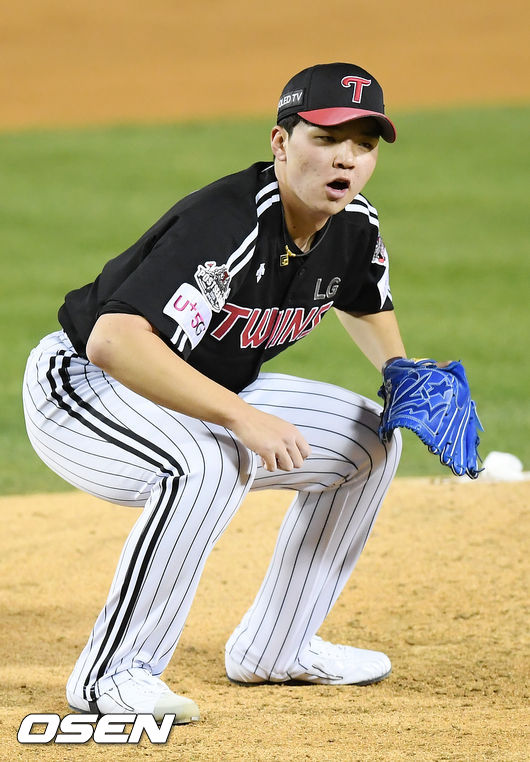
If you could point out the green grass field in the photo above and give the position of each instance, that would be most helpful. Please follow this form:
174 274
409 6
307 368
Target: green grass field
452 197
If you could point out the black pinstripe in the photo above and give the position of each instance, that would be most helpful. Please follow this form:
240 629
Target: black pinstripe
193 499
284 573
201 559
125 613
62 426
337 588
290 579
148 554
124 616
126 434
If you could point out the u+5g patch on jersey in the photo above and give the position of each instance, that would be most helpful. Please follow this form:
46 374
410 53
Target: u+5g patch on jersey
190 309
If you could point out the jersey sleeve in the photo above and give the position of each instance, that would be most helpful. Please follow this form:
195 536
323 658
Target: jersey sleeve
188 273
373 294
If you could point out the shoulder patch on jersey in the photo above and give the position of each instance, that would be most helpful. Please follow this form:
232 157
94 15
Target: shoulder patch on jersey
380 256
189 308
214 282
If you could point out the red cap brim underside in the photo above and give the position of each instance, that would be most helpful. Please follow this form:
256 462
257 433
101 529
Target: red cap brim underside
328 117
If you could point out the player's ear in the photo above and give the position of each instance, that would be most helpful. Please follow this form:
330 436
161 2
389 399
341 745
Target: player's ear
279 138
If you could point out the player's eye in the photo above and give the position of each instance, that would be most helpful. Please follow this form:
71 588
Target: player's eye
369 144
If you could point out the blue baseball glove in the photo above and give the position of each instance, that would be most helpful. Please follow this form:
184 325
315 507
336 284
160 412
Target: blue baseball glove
435 403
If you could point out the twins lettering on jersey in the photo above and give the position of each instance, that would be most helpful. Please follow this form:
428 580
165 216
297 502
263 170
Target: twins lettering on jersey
270 326
192 308
189 308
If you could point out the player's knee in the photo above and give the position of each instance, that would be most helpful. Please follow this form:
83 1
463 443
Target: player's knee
386 456
379 457
222 458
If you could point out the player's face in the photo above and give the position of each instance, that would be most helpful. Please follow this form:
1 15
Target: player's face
321 169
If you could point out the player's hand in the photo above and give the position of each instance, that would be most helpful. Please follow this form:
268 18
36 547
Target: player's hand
278 442
442 364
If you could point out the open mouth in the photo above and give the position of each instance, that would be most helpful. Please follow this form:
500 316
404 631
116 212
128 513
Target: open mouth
338 189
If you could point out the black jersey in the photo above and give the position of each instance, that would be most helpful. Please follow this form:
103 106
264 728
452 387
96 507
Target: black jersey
224 285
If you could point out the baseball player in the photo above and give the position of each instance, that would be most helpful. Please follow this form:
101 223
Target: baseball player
152 395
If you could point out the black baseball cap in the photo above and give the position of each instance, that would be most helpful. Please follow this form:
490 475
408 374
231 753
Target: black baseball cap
334 93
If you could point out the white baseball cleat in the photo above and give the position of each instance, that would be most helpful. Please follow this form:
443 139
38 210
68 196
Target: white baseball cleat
136 691
322 663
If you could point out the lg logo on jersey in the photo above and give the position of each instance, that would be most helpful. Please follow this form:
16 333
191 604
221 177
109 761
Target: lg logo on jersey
110 728
330 291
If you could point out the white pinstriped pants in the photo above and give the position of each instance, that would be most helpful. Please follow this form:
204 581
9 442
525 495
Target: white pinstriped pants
191 478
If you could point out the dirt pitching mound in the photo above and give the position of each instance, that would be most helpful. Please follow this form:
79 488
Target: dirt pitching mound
442 587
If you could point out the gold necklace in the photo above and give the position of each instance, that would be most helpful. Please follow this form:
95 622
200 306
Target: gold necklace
284 258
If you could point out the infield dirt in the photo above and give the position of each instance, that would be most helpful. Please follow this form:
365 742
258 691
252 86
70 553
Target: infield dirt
70 63
442 586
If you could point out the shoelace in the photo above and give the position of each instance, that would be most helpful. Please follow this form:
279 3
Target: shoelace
148 683
326 648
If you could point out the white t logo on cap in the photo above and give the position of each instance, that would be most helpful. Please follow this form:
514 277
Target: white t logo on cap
358 84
